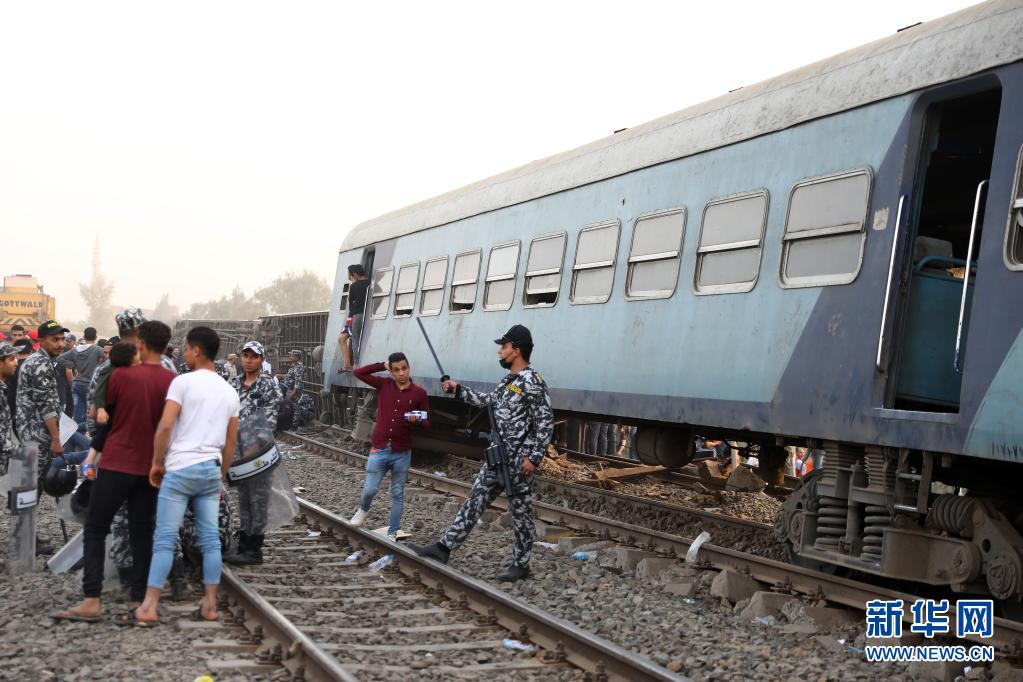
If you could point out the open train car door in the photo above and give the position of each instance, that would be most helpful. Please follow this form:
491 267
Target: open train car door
944 231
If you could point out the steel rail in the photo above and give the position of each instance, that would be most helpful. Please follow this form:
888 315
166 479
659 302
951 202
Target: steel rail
784 577
299 651
580 648
566 487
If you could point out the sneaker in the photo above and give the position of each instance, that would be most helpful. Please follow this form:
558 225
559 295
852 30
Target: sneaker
393 537
359 518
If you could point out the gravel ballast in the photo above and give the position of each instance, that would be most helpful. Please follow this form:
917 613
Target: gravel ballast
699 636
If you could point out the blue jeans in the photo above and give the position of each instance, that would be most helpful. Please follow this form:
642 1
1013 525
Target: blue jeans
76 448
199 485
378 464
80 393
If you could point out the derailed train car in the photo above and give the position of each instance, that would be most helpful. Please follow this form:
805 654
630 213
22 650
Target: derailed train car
831 258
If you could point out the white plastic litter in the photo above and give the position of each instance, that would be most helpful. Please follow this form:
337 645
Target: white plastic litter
354 557
440 474
314 533
766 620
695 547
547 545
516 645
382 563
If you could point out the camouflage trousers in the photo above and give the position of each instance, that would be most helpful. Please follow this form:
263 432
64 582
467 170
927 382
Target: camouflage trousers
188 538
253 501
484 491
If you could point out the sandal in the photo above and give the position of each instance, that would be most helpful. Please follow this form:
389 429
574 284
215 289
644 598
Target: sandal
72 615
197 615
129 618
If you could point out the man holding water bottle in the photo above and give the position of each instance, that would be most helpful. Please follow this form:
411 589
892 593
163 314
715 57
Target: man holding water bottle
400 405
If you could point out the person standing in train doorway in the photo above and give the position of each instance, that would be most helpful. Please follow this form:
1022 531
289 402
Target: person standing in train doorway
525 420
352 333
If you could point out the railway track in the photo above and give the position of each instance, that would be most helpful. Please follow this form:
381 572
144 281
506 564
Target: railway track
548 486
324 618
778 576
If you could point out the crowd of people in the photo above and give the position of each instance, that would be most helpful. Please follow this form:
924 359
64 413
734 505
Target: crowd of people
153 432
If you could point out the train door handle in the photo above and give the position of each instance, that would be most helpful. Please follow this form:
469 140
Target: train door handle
956 364
888 285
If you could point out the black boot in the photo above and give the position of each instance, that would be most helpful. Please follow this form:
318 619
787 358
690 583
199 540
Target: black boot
513 573
435 551
124 577
237 554
253 553
178 581
43 548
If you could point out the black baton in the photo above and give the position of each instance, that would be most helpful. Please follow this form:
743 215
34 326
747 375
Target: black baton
443 375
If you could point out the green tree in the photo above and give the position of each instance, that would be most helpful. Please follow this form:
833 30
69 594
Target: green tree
234 306
294 293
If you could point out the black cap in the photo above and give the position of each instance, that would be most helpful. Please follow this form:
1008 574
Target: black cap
113 340
102 343
49 328
24 345
518 336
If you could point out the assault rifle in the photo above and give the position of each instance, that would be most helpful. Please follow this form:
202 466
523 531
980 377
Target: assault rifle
496 454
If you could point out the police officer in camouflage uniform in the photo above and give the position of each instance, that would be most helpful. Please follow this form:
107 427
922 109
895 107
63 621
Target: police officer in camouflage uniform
8 443
294 377
38 402
256 391
525 420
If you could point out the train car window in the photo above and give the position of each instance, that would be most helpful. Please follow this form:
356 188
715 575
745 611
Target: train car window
594 269
405 291
344 296
381 292
1014 232
731 239
543 271
501 270
433 286
464 281
654 255
824 231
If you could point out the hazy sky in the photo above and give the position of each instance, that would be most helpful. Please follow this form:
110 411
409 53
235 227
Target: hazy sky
209 144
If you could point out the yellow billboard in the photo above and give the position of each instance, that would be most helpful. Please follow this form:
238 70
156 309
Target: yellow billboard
23 302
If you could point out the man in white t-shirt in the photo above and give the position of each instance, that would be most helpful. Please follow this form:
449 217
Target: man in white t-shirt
192 452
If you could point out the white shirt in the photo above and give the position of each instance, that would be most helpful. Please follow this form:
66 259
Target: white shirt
207 405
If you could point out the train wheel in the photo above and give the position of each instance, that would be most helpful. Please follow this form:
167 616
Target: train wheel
644 442
674 448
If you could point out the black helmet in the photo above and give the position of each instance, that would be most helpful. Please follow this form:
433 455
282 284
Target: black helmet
80 500
59 480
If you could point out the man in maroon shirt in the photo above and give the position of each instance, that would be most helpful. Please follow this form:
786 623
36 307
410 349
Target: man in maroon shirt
400 404
139 394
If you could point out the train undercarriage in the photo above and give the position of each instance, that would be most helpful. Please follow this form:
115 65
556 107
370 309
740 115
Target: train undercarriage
909 515
899 514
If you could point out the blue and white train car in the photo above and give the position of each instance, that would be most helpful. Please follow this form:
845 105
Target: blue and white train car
833 258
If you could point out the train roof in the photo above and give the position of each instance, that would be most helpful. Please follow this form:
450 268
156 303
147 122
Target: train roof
954 46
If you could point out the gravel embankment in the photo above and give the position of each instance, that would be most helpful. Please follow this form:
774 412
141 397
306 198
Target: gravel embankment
35 647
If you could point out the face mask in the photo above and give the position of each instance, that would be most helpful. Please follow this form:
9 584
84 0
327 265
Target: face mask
504 363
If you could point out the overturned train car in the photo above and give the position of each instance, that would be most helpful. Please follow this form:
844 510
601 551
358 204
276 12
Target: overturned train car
831 258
